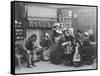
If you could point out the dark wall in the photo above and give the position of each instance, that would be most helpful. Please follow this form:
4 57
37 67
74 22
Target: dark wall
37 11
86 18
19 11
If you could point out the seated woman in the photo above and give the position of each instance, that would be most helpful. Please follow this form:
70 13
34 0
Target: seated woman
92 42
86 50
46 44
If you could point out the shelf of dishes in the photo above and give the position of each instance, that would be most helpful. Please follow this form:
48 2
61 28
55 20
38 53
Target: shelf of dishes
19 30
19 38
41 23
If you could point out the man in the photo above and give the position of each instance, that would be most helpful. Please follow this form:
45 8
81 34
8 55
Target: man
29 46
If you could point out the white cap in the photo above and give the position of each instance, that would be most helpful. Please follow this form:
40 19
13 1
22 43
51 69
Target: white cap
65 29
90 31
46 34
86 33
57 24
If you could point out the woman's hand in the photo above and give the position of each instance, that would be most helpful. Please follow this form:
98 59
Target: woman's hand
28 52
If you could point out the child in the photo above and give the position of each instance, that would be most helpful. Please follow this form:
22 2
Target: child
76 57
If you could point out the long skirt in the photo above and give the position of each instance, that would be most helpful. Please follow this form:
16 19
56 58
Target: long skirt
56 55
46 54
86 53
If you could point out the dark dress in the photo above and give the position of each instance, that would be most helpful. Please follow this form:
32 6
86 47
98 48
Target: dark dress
55 35
56 55
46 46
93 47
69 56
92 38
79 38
86 51
45 43
70 38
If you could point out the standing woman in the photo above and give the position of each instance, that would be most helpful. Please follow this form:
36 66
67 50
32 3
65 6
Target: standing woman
92 40
86 50
69 41
56 32
57 53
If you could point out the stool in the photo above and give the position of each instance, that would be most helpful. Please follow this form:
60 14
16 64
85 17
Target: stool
18 56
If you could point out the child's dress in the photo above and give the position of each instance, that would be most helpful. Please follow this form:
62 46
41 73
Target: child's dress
76 57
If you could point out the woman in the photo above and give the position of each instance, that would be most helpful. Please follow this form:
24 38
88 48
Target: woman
46 45
56 32
92 40
69 41
58 52
86 50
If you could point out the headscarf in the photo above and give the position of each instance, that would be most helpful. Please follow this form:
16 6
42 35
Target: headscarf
90 31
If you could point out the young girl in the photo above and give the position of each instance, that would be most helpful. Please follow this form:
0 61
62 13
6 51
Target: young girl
76 57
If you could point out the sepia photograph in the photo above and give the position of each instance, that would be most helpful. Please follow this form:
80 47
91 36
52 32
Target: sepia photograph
53 37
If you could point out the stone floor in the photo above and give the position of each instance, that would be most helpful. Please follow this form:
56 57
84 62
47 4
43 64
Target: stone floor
43 66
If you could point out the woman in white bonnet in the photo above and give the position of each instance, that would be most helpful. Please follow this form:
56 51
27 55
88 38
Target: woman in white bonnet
57 32
91 36
90 31
86 50
92 39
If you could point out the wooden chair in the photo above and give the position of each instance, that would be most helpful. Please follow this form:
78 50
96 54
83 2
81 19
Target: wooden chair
19 56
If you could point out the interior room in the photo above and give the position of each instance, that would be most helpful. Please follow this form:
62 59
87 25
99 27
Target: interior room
40 18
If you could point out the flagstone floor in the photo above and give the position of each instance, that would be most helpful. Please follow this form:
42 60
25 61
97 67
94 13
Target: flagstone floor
43 66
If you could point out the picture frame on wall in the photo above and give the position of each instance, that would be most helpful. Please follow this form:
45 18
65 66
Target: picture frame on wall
53 37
